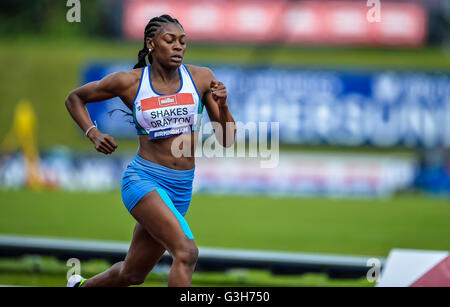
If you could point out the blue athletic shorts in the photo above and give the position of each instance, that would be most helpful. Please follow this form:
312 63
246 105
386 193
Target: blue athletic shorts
174 187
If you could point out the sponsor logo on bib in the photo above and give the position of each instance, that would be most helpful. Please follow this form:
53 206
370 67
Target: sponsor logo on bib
180 99
167 101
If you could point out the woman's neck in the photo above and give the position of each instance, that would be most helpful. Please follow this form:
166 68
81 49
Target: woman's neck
165 75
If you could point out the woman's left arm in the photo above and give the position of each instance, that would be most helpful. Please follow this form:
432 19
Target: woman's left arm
215 101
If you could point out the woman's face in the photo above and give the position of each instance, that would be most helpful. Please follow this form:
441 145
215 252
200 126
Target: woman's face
168 45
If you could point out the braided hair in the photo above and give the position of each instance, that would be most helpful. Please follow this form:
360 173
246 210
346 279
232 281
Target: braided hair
150 29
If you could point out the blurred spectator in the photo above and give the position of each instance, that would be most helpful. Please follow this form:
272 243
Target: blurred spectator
433 173
439 20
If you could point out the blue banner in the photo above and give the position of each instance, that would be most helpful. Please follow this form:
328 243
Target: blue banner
379 108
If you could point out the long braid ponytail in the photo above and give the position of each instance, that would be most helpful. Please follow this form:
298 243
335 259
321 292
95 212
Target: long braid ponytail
141 57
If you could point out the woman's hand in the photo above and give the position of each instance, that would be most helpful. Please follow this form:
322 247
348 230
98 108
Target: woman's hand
103 143
219 92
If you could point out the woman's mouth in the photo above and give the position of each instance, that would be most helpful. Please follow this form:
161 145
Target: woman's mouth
176 58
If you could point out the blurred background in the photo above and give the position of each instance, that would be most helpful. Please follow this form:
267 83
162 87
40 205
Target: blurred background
361 92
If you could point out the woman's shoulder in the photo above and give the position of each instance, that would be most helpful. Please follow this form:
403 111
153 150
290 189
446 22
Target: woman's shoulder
124 79
202 75
130 76
200 71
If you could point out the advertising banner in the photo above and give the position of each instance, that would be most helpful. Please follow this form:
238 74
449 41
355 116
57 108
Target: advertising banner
352 108
292 22
313 174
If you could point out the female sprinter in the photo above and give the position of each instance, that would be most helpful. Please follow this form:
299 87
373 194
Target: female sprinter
166 99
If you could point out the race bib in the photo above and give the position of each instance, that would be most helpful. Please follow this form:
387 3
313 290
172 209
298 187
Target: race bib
169 115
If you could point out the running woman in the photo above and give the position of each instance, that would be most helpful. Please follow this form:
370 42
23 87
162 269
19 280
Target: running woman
166 99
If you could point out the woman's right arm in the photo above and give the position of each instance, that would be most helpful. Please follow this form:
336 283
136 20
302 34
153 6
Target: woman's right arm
113 85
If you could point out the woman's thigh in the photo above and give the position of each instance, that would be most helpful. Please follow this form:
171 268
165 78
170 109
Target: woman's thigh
164 224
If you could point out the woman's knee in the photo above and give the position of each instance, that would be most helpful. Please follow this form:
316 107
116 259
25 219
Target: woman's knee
132 278
187 253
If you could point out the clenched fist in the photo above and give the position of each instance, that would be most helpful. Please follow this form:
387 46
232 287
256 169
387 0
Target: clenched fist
103 143
219 92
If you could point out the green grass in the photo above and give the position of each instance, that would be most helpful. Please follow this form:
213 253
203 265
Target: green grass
349 227
49 272
361 227
44 71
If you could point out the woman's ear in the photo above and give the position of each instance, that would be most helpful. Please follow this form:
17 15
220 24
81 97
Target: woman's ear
149 43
